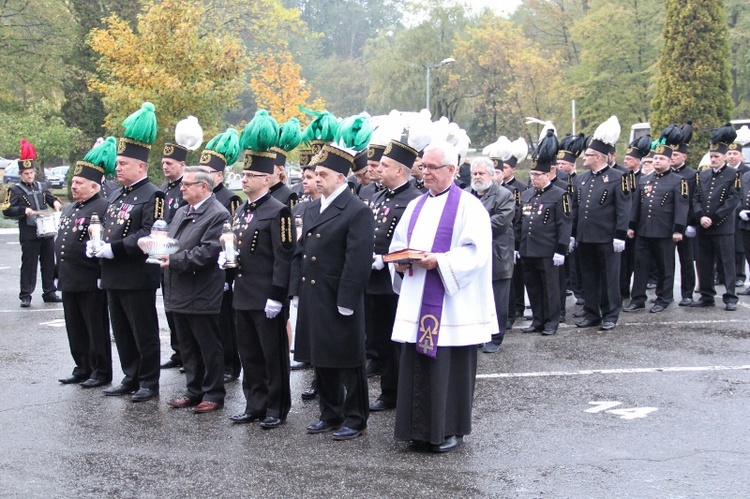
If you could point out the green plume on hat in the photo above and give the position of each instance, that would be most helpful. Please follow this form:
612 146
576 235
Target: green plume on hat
658 142
261 133
354 132
104 154
141 125
290 135
227 144
323 127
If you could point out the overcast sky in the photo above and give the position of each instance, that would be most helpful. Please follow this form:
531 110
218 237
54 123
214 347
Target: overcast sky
499 6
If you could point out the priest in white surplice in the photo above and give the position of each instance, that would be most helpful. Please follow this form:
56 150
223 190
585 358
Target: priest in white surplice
445 307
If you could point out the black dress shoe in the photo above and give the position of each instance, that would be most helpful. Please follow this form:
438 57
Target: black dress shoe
633 307
549 332
449 444
531 329
509 324
93 383
588 323
245 418
419 444
379 405
171 364
685 302
321 427
490 347
702 303
26 302
739 282
53 298
297 366
744 292
373 370
119 390
309 394
144 394
607 326
579 314
730 307
658 308
72 379
271 422
228 378
346 433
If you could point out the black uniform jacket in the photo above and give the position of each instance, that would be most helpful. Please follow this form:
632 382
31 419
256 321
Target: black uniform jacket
601 211
284 194
77 272
172 198
265 240
21 196
193 282
661 205
387 207
130 216
545 220
689 174
227 198
330 269
716 196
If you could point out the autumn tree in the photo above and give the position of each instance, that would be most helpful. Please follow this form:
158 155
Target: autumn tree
170 59
694 81
550 23
278 86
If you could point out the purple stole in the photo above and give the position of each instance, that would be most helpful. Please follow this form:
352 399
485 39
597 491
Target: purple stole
434 292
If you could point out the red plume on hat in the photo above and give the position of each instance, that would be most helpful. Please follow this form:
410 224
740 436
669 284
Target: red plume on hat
28 151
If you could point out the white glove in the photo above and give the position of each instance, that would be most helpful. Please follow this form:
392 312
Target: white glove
745 215
572 245
516 256
690 231
377 262
619 245
54 283
273 308
558 259
222 261
226 287
90 249
99 283
345 311
105 252
295 301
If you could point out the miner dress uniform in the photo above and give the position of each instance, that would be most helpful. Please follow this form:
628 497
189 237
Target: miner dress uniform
85 305
687 248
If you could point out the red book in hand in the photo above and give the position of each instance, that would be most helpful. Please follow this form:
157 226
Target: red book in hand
404 256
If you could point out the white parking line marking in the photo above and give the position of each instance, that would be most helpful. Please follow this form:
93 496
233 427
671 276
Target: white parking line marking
636 370
54 323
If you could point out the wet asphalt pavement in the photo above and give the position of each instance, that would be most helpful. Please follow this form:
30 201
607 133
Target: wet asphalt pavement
659 407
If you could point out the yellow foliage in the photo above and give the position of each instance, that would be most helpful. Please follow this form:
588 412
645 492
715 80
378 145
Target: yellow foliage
278 85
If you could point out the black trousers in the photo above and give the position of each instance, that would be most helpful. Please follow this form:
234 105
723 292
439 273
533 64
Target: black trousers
686 252
739 255
658 251
516 297
380 315
573 263
343 396
711 247
600 269
37 251
135 327
627 267
173 342
87 323
264 352
227 324
202 355
746 244
500 291
542 279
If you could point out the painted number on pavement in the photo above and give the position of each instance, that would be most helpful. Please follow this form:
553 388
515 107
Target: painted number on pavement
627 413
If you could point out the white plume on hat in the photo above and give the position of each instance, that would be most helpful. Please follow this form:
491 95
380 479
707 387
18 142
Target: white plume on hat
460 140
705 161
743 135
440 130
188 133
386 127
501 149
519 148
608 132
420 130
547 125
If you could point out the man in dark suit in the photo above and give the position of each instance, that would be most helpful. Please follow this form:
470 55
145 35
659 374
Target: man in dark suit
85 305
278 189
131 282
193 290
381 301
735 160
330 270
265 241
501 206
23 201
658 220
687 248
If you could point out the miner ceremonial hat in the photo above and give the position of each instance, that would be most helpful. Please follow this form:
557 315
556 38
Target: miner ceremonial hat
258 137
27 157
400 152
222 150
546 153
605 136
290 136
188 136
140 133
99 161
722 137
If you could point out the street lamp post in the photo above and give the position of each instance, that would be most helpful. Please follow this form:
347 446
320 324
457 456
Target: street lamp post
444 62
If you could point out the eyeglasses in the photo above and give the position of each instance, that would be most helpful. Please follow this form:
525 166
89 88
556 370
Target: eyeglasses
253 175
188 184
537 174
430 168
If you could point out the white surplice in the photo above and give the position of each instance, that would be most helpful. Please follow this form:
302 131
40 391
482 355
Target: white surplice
466 272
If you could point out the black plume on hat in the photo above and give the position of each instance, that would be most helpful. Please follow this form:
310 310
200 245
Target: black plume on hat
546 152
672 135
687 132
571 147
724 134
640 147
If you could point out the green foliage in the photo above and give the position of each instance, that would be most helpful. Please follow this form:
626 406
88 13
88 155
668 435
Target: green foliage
694 80
738 18
53 139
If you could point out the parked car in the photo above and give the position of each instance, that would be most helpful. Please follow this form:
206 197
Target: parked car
56 177
11 175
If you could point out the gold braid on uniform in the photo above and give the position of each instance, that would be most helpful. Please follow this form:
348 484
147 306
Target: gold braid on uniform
517 195
684 188
233 205
566 203
738 181
159 207
625 184
287 238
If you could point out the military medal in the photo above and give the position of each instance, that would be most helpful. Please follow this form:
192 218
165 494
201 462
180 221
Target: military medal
248 218
606 179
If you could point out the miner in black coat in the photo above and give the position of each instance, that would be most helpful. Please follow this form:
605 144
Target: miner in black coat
330 271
